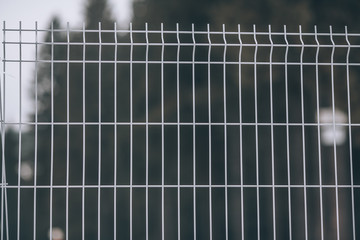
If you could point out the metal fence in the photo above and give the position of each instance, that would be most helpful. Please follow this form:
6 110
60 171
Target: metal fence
180 133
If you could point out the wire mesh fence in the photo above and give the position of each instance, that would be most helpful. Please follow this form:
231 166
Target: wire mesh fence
180 134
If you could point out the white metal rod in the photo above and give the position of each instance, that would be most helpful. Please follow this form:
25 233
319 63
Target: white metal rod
162 138
241 138
36 129
4 204
225 139
287 133
99 138
293 63
178 131
194 128
343 186
210 129
2 161
131 133
350 137
251 33
147 130
52 131
303 130
67 130
183 124
272 134
333 121
6 211
20 134
115 131
256 137
84 138
318 133
296 45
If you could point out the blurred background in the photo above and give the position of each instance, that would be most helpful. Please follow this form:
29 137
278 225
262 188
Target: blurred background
89 155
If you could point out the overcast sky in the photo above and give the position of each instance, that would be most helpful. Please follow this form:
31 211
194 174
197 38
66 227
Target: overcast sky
28 12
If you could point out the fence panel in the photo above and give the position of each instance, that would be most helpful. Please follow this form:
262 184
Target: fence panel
179 134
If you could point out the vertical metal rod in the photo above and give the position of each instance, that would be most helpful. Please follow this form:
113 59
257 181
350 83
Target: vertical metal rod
4 206
350 137
272 135
2 83
225 139
210 127
51 130
318 132
147 129
241 138
67 128
99 140
5 203
256 137
287 131
20 133
36 128
131 130
2 149
115 126
334 129
194 127
162 136
303 130
178 127
83 135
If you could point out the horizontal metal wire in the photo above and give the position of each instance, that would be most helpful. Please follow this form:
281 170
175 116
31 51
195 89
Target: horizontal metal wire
196 32
168 44
181 124
188 62
182 186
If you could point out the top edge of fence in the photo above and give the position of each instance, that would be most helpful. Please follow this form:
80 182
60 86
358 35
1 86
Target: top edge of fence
161 30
